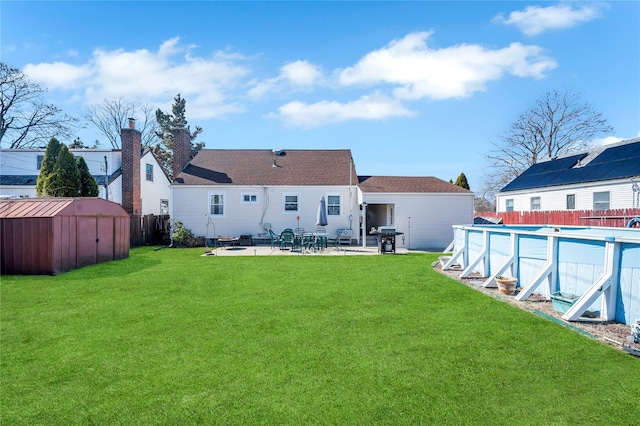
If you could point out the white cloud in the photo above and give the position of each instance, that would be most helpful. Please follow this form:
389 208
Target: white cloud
58 74
301 73
370 107
298 75
457 71
534 20
144 76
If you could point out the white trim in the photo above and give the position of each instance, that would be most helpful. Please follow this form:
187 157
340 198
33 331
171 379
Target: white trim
539 203
329 194
593 199
224 201
146 172
284 202
250 195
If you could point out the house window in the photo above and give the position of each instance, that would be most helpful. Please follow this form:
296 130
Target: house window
249 198
509 205
571 201
333 205
601 200
150 172
39 162
164 206
291 203
535 203
216 204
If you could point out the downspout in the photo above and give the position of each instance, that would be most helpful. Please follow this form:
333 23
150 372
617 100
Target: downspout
106 179
364 224
350 194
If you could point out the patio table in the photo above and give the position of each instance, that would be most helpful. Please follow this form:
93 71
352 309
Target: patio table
319 239
226 242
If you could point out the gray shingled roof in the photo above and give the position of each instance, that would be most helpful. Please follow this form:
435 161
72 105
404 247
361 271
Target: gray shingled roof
264 167
406 184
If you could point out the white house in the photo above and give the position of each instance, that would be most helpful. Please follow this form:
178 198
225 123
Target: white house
234 192
19 169
603 178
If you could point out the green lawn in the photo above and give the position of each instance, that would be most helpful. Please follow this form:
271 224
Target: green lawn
171 337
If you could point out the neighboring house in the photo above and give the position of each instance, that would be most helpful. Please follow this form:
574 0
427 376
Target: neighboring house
603 178
154 185
233 192
19 169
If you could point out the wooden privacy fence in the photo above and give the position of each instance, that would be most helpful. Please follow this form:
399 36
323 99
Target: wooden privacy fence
150 230
618 218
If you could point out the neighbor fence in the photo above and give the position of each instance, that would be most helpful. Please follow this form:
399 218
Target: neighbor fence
150 230
618 218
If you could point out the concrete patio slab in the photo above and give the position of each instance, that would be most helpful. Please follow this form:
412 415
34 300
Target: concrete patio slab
268 251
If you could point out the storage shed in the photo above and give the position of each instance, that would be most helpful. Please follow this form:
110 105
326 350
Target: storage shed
51 235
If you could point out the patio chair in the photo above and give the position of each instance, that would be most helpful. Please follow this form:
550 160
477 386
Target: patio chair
287 238
308 241
275 239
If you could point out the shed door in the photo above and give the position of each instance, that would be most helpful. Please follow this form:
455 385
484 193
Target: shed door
104 249
95 240
87 228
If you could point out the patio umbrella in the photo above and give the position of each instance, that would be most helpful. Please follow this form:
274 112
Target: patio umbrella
321 217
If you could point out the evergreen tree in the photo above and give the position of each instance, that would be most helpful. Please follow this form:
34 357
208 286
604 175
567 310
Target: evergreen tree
88 184
49 161
64 180
163 150
462 181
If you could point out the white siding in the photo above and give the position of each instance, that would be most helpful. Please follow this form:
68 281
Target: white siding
152 191
555 198
430 216
115 190
14 191
23 162
189 204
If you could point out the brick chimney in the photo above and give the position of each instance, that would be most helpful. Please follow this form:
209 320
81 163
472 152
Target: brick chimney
181 149
131 145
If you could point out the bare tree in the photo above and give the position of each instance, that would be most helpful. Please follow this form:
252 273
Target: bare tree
26 120
111 116
482 205
558 123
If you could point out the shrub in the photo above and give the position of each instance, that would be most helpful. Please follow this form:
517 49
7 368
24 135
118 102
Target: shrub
181 236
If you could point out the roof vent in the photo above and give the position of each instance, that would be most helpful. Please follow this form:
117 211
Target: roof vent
279 152
274 164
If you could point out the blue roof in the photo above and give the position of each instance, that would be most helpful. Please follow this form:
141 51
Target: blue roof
621 161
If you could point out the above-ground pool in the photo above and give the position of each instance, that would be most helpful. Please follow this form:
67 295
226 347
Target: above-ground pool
600 266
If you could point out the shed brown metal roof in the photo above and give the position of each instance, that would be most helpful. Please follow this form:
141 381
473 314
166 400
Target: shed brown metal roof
50 207
408 184
266 167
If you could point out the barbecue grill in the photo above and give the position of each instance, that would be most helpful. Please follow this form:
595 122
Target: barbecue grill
387 239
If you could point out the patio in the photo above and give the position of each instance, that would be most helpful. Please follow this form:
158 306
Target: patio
261 250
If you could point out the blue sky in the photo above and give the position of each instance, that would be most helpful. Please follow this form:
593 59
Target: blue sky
412 88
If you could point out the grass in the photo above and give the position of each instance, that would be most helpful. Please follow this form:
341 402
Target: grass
170 337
